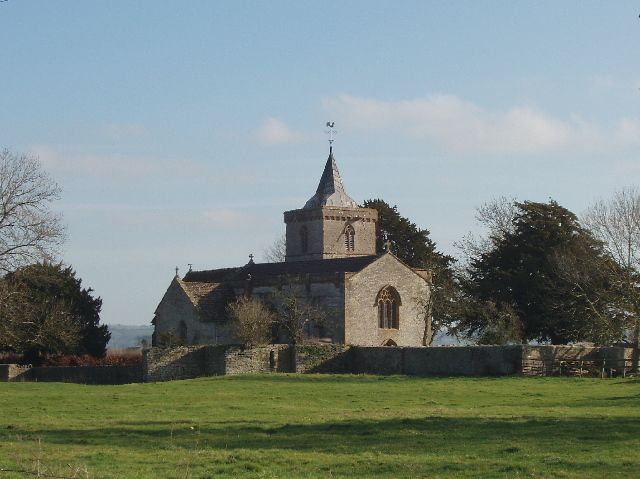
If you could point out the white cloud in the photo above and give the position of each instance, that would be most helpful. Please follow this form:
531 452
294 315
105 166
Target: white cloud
462 126
110 166
274 132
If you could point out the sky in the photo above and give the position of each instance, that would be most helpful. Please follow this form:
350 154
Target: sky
181 131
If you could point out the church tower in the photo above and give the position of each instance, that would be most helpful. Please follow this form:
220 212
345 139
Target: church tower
330 224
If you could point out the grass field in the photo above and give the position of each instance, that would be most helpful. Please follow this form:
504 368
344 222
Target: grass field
324 426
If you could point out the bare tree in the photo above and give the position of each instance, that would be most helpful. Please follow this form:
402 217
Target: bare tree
277 252
496 219
440 307
29 230
296 315
252 320
616 223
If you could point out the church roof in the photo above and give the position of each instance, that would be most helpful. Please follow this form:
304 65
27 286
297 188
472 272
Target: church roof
330 191
262 270
209 297
198 292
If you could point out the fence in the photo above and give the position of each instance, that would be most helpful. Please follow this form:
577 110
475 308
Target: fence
603 368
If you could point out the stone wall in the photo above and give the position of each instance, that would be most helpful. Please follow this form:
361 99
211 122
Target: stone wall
266 359
183 362
10 371
324 291
73 374
322 359
335 221
325 232
550 359
166 364
438 361
361 309
176 307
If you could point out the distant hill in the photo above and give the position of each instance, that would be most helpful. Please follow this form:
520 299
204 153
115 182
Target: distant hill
442 339
128 336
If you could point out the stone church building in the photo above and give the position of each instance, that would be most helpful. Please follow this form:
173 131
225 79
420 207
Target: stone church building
331 261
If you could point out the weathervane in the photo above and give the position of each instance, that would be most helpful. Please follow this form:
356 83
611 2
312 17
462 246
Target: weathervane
331 132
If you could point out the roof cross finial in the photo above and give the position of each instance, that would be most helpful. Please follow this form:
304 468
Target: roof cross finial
177 271
331 132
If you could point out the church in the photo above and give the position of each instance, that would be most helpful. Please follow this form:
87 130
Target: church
331 262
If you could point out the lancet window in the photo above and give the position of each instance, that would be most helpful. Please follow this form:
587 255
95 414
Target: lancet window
388 301
349 238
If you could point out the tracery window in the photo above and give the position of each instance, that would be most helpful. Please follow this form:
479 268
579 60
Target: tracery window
349 238
304 239
388 301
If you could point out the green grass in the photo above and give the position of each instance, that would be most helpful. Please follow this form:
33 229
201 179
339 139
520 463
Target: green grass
324 426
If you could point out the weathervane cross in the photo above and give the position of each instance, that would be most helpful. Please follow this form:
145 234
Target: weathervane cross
331 132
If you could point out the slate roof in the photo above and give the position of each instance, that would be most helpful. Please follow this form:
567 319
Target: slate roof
265 270
210 298
330 191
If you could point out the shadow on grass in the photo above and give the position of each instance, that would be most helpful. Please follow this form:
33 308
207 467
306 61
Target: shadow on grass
401 436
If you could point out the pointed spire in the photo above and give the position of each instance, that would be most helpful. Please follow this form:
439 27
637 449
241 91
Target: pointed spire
330 191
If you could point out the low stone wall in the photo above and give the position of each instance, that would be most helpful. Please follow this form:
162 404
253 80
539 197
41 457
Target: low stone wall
438 361
313 358
537 360
166 364
10 371
266 359
182 362
73 374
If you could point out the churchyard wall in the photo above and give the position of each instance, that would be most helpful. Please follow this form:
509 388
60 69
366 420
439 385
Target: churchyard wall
73 374
438 361
165 364
413 361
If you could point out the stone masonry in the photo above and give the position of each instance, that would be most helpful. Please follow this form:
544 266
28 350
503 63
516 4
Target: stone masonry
331 262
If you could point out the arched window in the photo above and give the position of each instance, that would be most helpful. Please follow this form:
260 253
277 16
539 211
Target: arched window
304 239
388 301
349 238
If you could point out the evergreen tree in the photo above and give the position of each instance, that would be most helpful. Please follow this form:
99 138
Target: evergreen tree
45 309
546 279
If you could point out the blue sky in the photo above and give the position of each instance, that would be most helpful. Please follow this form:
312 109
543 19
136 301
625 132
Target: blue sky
180 131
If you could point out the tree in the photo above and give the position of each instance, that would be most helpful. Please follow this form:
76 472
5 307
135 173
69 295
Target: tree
496 218
277 252
409 243
616 223
252 320
414 247
542 280
31 326
29 230
45 309
295 316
